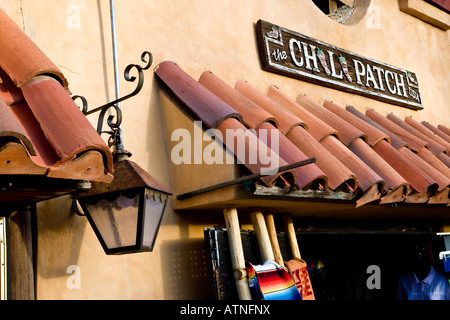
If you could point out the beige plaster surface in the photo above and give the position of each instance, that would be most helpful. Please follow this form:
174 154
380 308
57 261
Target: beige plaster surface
198 35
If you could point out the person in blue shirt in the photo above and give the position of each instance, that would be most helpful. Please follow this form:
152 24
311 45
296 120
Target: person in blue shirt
424 283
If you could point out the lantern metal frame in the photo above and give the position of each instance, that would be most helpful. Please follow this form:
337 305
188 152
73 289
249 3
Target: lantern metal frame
129 178
127 174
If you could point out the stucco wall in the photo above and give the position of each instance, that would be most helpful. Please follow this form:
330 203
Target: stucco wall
199 35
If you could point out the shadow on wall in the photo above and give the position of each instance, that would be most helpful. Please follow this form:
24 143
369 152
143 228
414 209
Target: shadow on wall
60 234
185 270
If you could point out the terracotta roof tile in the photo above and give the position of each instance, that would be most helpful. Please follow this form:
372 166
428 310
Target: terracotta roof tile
339 176
309 142
63 124
348 132
413 174
16 46
9 93
257 118
366 176
394 139
430 158
356 139
431 171
444 129
42 131
377 156
252 114
374 134
240 132
206 106
393 180
316 127
432 145
436 130
444 158
44 155
286 120
428 134
379 141
214 113
414 142
10 129
307 175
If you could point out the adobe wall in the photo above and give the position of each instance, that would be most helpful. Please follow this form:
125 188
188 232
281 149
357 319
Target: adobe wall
198 35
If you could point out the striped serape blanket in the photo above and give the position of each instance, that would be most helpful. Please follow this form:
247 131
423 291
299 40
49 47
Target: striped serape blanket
270 281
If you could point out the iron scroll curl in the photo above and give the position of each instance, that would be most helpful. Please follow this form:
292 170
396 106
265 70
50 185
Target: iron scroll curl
114 121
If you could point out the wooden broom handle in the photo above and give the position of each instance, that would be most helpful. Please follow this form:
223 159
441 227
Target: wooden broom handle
270 222
262 236
290 231
237 253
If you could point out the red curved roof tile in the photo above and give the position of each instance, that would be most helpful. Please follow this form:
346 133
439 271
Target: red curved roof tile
215 113
413 174
286 120
257 118
393 180
432 145
348 132
366 176
10 129
429 157
428 168
444 158
339 176
252 114
316 127
444 129
67 130
417 179
374 135
414 142
427 133
44 155
204 104
381 171
244 150
9 93
306 176
16 46
436 130
396 142
45 132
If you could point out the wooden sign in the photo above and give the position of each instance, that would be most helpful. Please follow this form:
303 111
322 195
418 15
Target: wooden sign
295 55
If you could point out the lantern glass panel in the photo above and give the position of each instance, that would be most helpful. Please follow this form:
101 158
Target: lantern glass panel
155 203
116 218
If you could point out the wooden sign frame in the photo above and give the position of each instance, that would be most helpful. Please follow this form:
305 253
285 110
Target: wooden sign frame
295 55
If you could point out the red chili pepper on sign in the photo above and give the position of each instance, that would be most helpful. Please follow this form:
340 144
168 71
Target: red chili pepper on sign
323 62
343 63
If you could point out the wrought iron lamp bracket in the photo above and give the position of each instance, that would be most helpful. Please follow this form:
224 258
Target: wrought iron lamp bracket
114 121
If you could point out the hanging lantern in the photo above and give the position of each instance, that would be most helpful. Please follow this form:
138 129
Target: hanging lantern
125 214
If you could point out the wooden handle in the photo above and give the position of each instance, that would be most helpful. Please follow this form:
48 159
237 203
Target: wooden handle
270 222
262 236
237 253
290 231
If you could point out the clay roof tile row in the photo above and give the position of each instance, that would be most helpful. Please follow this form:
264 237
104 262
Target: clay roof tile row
42 131
380 158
